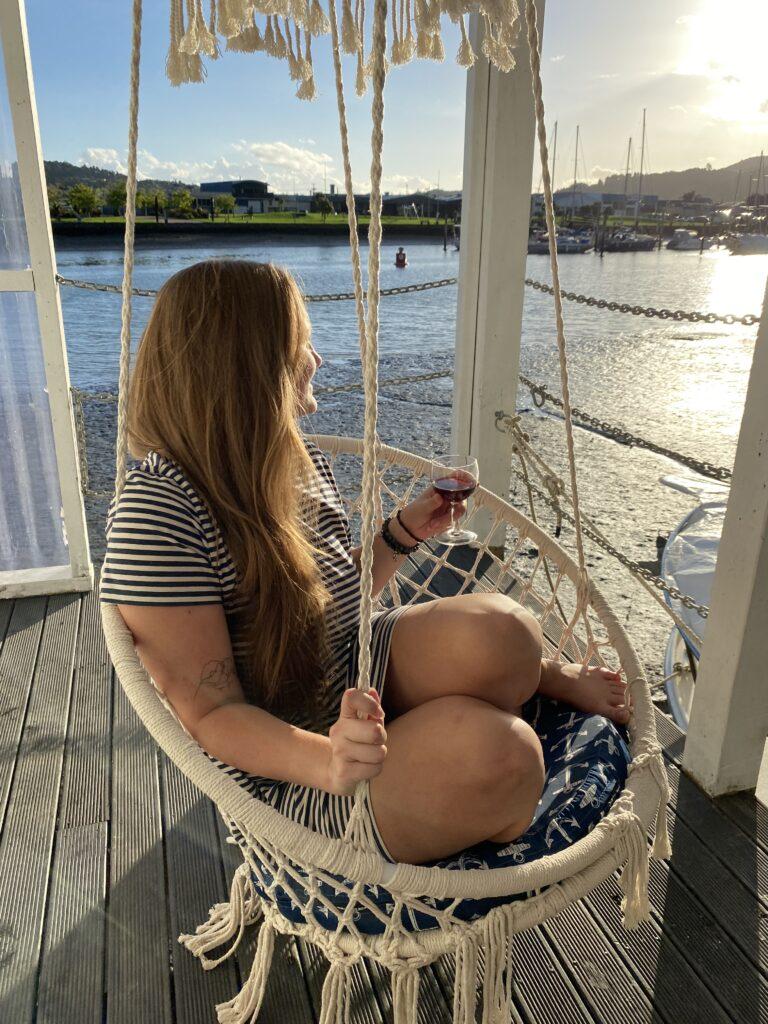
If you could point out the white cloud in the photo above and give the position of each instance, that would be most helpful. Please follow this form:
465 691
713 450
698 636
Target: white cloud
679 109
686 19
614 75
109 159
285 167
558 58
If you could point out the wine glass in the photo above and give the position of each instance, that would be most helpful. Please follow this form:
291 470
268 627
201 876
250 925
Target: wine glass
455 477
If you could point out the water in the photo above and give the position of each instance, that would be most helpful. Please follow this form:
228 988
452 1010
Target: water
679 383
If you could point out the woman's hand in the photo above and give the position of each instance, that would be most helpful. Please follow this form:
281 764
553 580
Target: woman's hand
357 744
430 514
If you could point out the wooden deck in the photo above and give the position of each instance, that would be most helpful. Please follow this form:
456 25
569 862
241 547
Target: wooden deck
107 854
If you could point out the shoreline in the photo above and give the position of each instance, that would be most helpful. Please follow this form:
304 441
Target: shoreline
175 230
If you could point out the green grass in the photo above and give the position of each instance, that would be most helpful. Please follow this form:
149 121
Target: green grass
264 218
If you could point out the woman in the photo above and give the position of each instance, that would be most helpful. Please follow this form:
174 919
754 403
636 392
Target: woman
241 590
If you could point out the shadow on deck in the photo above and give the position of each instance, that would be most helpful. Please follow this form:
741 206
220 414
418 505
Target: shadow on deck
107 854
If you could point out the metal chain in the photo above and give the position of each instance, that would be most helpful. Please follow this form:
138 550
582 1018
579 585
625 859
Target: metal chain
79 396
748 320
426 286
628 563
540 395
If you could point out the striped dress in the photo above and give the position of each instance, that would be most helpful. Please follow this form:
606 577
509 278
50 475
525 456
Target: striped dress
164 549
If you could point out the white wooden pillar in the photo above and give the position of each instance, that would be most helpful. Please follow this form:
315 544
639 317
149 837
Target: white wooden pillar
495 214
729 716
41 279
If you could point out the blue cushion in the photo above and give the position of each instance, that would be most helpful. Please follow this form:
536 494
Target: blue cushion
586 758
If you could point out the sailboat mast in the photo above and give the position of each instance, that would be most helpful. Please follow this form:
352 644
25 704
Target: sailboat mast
575 172
759 179
626 180
554 156
640 182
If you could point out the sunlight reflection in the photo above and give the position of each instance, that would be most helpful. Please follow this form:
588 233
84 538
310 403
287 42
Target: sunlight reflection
737 284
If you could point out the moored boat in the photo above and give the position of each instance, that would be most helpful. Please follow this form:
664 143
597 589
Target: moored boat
684 240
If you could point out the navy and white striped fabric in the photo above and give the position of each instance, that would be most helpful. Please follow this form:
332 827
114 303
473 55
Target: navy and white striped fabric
163 548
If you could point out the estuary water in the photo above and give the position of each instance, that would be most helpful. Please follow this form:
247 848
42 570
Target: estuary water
681 385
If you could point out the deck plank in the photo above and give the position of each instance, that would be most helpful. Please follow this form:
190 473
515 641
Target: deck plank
195 883
85 789
72 965
28 830
18 657
138 981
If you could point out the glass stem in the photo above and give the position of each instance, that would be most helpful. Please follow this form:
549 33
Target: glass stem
454 529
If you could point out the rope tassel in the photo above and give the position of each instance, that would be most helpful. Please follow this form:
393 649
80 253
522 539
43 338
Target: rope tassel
465 983
337 994
244 1008
405 996
634 877
224 921
498 950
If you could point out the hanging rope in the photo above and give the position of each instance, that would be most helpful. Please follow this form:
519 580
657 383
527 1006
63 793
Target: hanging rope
130 231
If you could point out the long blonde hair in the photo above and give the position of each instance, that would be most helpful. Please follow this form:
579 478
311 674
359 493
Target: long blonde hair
215 389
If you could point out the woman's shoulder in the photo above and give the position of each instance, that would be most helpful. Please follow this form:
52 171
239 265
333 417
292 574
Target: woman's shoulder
159 486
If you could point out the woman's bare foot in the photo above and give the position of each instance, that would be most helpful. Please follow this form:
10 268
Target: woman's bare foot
593 689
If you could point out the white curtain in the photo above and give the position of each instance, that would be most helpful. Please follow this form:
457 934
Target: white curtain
32 531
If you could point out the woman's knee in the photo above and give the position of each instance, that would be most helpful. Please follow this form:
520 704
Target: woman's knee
493 749
514 643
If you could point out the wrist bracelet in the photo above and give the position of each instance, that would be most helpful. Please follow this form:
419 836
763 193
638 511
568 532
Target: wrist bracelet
411 535
393 544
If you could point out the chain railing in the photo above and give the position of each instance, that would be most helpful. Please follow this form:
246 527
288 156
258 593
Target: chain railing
678 315
540 395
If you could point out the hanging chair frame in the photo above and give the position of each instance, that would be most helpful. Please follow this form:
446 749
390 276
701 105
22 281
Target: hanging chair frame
594 857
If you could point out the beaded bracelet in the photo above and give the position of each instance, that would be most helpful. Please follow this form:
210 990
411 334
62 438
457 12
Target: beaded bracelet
392 543
411 535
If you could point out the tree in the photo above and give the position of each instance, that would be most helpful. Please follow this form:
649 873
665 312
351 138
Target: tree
224 203
116 196
144 200
181 203
323 205
83 200
55 201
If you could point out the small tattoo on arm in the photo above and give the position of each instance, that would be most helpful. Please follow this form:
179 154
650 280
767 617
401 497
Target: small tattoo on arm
217 675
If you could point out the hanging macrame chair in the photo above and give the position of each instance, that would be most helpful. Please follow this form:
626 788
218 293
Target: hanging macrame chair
341 894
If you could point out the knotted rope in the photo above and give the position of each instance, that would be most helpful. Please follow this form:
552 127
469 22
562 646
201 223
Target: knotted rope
130 231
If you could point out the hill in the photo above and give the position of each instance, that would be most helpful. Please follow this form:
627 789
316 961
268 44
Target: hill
63 174
719 184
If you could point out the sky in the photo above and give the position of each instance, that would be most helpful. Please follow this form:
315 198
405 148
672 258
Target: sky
696 65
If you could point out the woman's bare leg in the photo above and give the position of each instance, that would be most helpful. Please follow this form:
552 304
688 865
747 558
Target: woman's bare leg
458 770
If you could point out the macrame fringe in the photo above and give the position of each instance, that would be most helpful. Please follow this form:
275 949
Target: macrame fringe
405 995
652 760
465 58
250 40
465 983
498 951
350 40
244 1008
318 20
337 994
634 876
225 920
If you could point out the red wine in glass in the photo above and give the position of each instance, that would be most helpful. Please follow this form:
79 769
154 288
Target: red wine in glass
455 478
453 489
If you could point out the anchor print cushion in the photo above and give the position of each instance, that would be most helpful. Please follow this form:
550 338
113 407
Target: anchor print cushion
586 758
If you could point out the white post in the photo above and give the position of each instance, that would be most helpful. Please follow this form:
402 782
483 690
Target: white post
729 716
18 70
495 216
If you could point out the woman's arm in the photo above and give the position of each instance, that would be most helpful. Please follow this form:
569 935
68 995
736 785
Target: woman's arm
426 516
188 653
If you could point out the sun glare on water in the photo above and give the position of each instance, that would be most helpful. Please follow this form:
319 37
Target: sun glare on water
727 45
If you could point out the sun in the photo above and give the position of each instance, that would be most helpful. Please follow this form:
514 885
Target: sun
728 48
